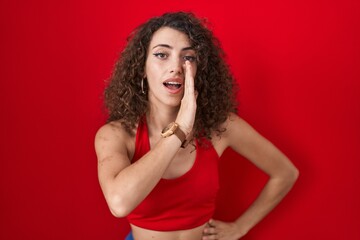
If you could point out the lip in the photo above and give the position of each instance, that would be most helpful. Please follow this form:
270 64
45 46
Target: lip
174 79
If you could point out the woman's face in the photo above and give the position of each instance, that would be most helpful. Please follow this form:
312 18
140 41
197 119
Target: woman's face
165 65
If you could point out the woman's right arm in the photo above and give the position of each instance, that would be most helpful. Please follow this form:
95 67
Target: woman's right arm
124 184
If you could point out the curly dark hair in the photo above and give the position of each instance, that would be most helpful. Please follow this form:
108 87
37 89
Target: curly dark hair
213 81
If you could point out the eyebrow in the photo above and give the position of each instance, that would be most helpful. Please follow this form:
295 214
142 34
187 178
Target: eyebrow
170 47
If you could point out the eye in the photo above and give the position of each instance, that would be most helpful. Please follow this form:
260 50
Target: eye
190 58
160 55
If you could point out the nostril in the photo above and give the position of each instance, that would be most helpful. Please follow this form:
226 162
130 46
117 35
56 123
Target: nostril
178 71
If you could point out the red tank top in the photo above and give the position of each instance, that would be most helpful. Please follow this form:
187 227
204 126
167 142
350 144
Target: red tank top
182 203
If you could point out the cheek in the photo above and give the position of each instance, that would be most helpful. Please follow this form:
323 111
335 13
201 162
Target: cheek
154 74
153 69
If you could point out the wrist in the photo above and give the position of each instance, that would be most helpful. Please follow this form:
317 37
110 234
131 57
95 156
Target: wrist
174 129
182 126
242 228
185 131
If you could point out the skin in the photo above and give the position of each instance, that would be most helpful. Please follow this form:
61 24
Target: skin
125 185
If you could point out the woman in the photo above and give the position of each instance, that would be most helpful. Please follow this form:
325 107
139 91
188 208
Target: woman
171 116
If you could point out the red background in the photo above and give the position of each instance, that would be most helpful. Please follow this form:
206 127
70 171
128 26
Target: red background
298 66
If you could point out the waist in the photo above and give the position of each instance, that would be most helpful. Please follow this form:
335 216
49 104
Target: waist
188 234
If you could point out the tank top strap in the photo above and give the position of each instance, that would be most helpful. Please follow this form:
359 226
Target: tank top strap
142 143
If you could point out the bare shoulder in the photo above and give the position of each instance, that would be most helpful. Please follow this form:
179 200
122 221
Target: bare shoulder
234 126
233 130
238 134
235 123
112 138
112 129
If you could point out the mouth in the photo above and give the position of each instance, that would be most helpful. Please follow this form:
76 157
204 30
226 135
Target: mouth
173 84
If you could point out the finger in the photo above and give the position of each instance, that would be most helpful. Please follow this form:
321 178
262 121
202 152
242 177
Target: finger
209 237
210 230
212 223
189 78
189 69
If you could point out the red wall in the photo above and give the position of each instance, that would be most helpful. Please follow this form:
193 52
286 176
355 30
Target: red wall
298 66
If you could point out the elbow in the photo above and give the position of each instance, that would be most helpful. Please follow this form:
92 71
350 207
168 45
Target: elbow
295 174
287 177
117 206
292 175
118 212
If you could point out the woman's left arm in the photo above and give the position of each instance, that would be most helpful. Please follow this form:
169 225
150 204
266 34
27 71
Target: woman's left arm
242 138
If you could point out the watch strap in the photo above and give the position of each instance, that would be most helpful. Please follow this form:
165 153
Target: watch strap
173 128
181 135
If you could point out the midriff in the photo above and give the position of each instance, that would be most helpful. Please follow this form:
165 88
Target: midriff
145 234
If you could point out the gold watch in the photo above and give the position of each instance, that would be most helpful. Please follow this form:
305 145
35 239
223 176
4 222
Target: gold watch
173 128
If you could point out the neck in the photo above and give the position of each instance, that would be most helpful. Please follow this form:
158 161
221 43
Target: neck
159 117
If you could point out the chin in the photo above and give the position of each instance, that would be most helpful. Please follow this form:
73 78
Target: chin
176 103
171 101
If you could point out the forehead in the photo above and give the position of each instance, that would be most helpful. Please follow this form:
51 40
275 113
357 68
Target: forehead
169 36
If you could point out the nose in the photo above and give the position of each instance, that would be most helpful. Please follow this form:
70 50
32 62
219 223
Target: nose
177 66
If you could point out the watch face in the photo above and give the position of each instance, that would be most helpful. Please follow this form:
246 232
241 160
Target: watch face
166 129
169 130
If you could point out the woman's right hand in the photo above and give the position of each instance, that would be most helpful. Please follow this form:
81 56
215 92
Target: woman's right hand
187 111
